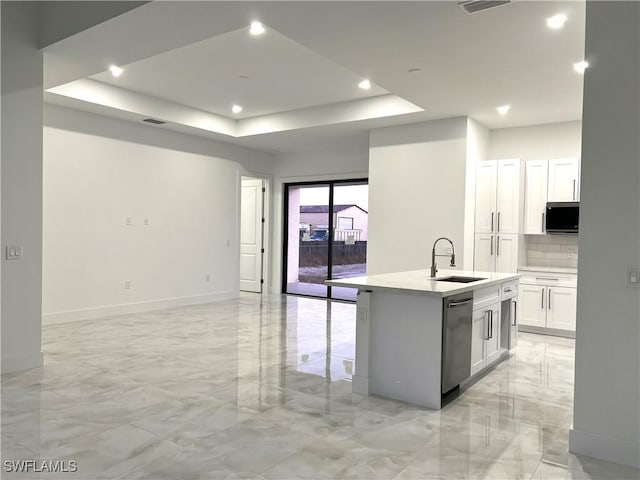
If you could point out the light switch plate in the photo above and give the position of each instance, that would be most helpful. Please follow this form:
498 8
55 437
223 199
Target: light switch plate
13 252
633 277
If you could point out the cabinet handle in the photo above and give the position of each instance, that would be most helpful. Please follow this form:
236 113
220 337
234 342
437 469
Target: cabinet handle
542 227
490 323
542 299
491 252
498 221
515 313
574 195
549 301
498 245
554 279
488 312
492 214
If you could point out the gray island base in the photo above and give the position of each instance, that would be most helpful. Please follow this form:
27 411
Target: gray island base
399 331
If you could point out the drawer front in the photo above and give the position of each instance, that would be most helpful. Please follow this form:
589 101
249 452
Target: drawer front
547 278
486 296
509 290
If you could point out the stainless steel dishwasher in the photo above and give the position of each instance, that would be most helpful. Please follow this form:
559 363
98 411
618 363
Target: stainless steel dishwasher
456 340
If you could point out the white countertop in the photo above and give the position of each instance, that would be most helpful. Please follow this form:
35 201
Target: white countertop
533 268
419 281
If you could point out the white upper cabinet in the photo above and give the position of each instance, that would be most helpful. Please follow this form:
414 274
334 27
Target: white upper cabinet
563 180
498 196
508 196
535 196
506 249
486 183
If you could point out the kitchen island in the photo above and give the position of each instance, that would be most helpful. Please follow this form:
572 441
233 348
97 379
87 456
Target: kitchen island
402 350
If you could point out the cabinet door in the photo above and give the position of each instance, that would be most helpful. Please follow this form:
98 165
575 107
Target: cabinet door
506 253
563 180
484 253
535 196
478 339
493 343
533 310
561 308
508 196
486 178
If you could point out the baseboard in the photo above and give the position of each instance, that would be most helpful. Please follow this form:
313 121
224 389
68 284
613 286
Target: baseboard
604 448
123 309
547 331
21 362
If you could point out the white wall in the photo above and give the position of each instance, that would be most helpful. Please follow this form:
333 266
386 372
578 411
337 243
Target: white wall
351 161
96 176
606 420
21 186
417 179
537 142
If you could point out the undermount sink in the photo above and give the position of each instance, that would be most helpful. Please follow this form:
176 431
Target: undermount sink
457 279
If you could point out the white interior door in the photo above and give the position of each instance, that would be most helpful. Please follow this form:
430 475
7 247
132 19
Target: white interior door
251 202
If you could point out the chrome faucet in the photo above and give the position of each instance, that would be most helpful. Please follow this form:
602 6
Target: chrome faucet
434 266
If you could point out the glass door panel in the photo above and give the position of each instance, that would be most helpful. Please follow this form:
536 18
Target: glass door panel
307 252
349 246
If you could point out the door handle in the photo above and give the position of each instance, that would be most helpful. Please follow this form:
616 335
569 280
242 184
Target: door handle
542 299
515 313
549 301
574 197
498 245
492 221
498 221
542 227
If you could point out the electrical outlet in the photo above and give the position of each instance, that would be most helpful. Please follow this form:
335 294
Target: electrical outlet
633 277
128 221
146 222
127 284
228 243
207 278
13 252
572 253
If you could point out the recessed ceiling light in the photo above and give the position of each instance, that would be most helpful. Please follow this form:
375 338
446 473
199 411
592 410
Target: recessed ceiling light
557 21
580 67
256 28
116 71
503 109
365 84
236 109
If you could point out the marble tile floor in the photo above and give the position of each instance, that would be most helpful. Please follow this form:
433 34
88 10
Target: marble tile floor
260 388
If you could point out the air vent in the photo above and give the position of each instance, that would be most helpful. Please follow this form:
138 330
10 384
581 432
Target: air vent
154 121
473 6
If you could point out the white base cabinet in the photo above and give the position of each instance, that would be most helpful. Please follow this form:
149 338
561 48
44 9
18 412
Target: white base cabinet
548 302
486 343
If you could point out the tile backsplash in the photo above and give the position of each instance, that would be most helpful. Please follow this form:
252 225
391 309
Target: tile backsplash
552 250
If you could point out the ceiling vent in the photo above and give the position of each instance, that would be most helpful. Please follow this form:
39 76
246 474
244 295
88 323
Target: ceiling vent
473 6
154 121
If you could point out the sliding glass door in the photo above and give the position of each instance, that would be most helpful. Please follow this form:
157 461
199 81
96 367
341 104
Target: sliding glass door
325 236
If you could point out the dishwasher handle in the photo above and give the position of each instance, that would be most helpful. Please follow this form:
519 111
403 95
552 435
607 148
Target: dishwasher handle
458 304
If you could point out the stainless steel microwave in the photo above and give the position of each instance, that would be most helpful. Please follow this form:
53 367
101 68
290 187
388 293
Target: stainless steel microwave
562 217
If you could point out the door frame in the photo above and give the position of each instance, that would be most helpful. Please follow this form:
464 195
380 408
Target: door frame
285 226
